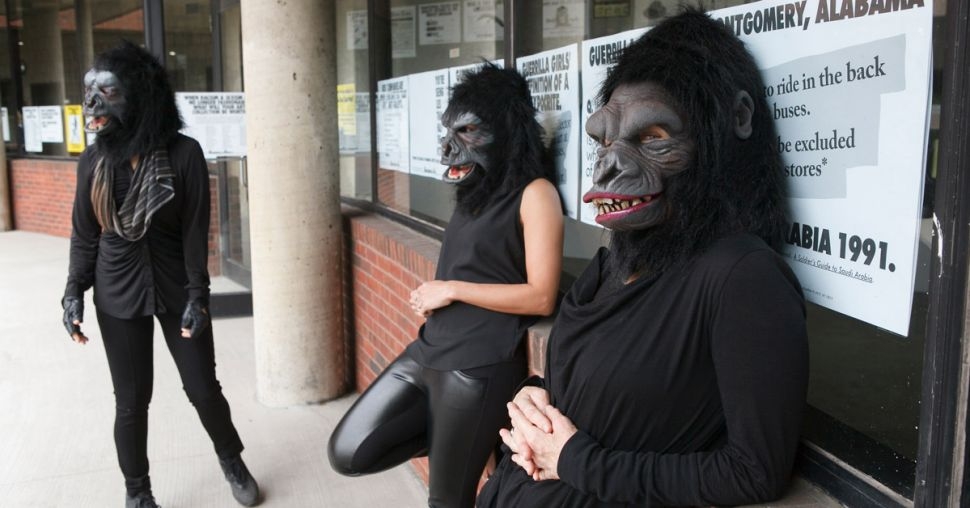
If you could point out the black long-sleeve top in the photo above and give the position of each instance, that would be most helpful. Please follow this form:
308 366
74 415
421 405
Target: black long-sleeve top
687 388
164 269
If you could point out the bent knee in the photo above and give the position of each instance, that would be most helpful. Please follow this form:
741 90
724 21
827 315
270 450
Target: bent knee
341 454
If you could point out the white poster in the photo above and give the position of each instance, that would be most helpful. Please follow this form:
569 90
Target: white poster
217 120
32 129
563 18
439 23
5 121
553 78
849 90
598 56
51 124
356 30
362 105
392 121
483 21
403 32
428 99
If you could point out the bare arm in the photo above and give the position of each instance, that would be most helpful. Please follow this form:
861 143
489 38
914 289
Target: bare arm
541 215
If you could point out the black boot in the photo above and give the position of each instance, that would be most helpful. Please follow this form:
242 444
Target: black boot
143 499
244 487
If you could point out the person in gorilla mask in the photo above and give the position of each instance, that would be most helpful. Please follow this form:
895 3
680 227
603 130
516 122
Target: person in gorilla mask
498 270
140 238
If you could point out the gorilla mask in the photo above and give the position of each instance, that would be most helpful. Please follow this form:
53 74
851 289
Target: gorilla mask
643 140
464 149
104 101
687 150
493 145
129 103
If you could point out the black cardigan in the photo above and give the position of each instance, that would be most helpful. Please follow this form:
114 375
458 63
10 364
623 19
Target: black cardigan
165 268
687 388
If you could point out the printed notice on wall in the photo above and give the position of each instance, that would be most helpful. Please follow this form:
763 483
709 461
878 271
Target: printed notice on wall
439 23
848 84
51 124
392 122
217 120
362 107
357 30
563 18
483 21
5 123
428 100
346 118
403 32
598 56
74 128
32 129
553 78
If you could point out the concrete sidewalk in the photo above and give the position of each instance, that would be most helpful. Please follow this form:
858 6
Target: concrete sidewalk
57 409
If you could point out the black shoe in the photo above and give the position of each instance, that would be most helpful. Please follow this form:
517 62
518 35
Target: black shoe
244 487
141 500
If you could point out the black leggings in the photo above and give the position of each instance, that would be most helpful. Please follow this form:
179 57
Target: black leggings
128 344
452 416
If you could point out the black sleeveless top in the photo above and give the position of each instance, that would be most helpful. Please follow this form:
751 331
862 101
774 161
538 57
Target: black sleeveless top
488 248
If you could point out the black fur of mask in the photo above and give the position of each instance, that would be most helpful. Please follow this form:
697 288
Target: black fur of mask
129 102
733 183
513 154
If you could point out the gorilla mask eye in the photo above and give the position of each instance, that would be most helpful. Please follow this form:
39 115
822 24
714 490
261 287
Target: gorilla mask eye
653 133
468 129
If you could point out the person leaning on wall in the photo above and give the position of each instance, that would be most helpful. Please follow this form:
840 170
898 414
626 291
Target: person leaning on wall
677 367
498 270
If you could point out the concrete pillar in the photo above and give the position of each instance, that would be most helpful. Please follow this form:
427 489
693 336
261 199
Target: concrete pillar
43 56
291 132
85 35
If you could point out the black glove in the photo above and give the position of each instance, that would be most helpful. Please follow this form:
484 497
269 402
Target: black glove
195 318
73 311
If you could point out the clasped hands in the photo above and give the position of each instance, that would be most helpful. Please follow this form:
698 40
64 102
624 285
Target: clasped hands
431 295
539 433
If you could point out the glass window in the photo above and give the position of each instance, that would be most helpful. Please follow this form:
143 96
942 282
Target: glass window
438 36
188 45
353 98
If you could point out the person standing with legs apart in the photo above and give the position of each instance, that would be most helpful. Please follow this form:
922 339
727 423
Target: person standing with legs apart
140 239
498 270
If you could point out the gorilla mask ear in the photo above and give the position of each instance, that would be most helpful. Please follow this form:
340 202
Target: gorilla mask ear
743 112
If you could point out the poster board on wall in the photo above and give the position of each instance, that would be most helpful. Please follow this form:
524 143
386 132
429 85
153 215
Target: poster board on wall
217 120
553 78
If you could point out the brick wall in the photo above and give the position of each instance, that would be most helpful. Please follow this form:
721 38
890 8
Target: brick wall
43 194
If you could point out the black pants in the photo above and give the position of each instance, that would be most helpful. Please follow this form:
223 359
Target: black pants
128 344
410 410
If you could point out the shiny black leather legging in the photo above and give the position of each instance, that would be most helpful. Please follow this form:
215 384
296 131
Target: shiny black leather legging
128 345
452 416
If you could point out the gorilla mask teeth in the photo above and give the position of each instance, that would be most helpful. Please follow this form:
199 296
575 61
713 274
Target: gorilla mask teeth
458 173
96 123
610 205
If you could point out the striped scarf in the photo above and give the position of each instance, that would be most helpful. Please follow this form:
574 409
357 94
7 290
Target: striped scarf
152 185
